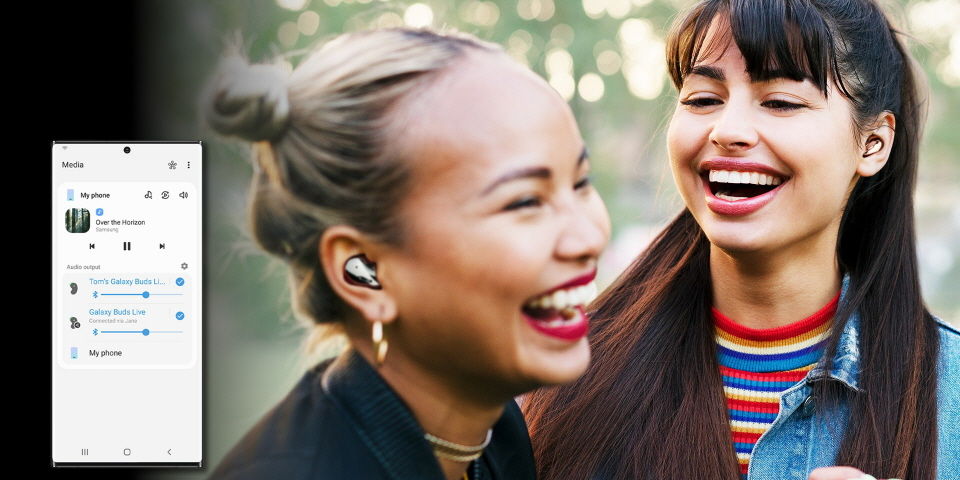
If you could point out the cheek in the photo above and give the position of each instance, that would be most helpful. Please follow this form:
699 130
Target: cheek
685 139
478 264
674 140
467 298
598 214
825 163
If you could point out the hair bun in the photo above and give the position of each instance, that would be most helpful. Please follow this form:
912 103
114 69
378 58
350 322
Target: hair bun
249 101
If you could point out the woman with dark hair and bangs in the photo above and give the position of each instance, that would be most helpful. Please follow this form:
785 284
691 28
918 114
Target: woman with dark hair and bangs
776 326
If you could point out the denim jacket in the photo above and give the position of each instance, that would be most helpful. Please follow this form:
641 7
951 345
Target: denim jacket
802 439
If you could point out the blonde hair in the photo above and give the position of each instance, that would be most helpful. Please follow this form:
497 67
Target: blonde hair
325 145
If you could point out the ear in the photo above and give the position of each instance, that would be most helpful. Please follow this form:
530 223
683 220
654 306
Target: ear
876 145
337 245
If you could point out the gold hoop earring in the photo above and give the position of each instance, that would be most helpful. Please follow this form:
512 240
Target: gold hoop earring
379 343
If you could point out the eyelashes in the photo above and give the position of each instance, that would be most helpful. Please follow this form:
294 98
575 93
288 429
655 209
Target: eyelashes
525 202
700 102
777 105
584 182
531 201
783 105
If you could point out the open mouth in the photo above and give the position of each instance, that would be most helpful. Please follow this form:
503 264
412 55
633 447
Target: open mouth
561 313
736 185
558 306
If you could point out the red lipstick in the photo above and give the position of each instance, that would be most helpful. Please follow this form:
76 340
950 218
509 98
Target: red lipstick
740 165
576 282
570 331
738 207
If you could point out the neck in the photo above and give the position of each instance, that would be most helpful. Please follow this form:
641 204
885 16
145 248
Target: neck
772 290
440 405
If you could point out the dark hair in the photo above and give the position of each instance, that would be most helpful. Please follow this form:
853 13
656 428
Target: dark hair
651 404
326 143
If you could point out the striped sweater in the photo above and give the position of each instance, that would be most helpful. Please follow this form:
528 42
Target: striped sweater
758 365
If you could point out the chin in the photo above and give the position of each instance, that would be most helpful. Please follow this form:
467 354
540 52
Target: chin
736 246
743 238
559 367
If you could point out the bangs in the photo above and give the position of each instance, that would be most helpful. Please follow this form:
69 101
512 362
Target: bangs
777 39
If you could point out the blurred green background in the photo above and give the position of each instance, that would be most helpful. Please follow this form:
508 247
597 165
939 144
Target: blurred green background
606 57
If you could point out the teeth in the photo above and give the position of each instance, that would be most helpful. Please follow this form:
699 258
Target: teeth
560 299
574 296
729 198
545 301
566 298
752 178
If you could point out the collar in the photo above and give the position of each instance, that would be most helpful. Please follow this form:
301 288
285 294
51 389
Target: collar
385 424
846 360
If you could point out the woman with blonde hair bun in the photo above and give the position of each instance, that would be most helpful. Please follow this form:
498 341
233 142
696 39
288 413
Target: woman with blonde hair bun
431 199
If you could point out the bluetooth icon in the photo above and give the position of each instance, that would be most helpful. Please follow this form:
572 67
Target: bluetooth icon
95 294
96 332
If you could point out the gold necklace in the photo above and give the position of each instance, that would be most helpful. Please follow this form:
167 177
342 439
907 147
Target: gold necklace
455 451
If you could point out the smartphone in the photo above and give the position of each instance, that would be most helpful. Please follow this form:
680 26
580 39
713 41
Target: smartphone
127 316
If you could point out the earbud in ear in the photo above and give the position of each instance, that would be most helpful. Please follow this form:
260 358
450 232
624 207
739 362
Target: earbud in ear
874 146
359 271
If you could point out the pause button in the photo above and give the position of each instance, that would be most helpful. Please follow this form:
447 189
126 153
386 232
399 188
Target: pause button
126 245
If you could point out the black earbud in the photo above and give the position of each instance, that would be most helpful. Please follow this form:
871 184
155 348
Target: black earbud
360 271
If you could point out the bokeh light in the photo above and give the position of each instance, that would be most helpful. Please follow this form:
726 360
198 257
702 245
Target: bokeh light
591 87
643 63
418 15
308 22
293 4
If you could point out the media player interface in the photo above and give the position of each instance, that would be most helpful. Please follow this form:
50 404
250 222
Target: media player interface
127 317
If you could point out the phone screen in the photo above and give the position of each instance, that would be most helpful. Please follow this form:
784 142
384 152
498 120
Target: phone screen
127 305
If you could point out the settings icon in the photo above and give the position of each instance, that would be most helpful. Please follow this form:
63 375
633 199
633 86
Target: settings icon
172 165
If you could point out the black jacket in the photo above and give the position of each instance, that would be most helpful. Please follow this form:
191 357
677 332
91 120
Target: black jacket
342 421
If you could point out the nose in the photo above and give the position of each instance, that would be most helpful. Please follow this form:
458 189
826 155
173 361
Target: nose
734 130
586 231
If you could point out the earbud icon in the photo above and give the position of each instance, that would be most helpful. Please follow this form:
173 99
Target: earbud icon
73 288
359 271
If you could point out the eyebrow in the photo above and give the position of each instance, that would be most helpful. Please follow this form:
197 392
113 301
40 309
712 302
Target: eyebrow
529 172
709 72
